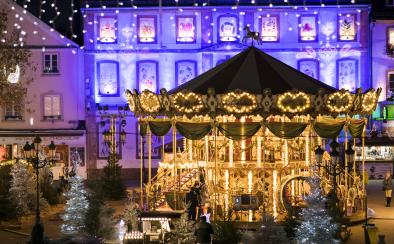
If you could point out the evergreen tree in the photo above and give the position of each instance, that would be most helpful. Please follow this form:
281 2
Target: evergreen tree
76 207
23 189
7 209
183 231
130 215
112 185
316 225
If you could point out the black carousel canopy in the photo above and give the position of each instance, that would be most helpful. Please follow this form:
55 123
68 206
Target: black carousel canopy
253 71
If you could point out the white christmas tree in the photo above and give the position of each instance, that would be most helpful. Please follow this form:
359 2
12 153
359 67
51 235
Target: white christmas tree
77 203
316 226
23 189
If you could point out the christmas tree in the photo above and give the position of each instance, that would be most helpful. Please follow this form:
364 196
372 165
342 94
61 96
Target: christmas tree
183 230
130 215
23 189
316 225
77 204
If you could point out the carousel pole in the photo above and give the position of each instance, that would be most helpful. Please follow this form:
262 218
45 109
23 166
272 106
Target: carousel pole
363 172
149 163
215 174
346 161
174 160
263 165
141 167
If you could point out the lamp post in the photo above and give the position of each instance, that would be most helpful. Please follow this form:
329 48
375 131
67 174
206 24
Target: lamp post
34 156
349 154
319 156
334 155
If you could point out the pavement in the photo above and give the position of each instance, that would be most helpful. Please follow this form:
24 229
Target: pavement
384 216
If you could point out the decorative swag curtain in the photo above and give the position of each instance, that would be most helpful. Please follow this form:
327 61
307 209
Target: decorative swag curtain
286 130
160 128
239 131
329 128
193 131
356 127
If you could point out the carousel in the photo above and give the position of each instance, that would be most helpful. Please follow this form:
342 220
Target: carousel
249 131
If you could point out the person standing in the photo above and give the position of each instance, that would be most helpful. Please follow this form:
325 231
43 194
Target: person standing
203 231
387 187
192 201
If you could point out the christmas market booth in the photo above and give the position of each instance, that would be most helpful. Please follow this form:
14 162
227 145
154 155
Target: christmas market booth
247 131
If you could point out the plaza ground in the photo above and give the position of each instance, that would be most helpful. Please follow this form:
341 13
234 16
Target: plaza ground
384 220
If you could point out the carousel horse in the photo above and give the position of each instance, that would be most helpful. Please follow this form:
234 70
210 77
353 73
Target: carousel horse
254 35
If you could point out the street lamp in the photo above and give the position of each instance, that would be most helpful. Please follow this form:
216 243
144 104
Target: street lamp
32 155
349 154
319 155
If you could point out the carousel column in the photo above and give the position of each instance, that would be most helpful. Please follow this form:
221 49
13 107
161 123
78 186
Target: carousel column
363 171
215 174
174 161
141 168
346 159
231 153
250 184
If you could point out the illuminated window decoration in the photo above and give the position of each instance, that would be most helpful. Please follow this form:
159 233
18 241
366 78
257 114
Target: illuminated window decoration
107 29
243 102
13 77
186 29
108 78
188 102
340 102
149 101
347 74
307 28
147 29
347 27
293 102
309 67
270 28
147 75
227 28
185 70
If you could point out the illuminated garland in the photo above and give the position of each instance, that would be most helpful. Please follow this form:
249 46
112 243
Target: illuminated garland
149 102
291 102
369 101
336 104
187 102
130 101
235 102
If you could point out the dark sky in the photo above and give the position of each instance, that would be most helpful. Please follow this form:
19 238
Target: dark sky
68 28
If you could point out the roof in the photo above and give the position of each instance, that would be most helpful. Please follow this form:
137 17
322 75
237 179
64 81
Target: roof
253 71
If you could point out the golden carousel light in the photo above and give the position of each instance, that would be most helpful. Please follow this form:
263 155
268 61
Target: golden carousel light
369 101
188 102
231 153
287 102
130 101
134 235
233 102
345 100
149 102
259 152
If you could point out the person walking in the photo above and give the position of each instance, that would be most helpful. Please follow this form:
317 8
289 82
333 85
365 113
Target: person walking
203 231
387 187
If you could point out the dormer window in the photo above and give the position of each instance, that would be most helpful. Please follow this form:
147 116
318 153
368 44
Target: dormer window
51 63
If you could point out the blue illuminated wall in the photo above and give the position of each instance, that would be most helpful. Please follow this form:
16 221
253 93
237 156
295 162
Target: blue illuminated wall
328 43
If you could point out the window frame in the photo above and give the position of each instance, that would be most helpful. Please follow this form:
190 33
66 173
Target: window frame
316 61
260 26
138 82
15 116
51 54
99 63
316 17
218 28
355 27
389 72
178 62
52 117
99 40
154 17
357 64
177 18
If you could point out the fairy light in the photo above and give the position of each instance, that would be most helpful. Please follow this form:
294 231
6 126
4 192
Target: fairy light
293 102
239 103
190 150
149 102
274 189
243 145
369 101
258 151
292 186
286 153
250 183
307 156
231 153
189 102
226 200
342 107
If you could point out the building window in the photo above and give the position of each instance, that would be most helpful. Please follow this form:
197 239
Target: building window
347 74
185 70
269 28
390 3
347 27
107 29
228 28
147 29
390 78
147 75
51 63
309 67
186 29
307 28
390 41
108 78
12 112
52 107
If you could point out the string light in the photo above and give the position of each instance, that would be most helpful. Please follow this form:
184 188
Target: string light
149 101
188 102
369 101
239 103
340 102
293 102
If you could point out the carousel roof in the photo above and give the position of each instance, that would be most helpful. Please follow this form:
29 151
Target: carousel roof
253 71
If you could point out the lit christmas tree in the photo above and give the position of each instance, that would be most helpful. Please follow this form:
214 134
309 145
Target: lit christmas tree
77 203
23 189
316 226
